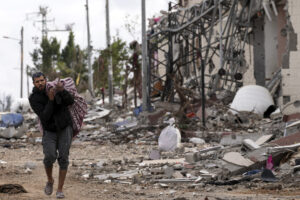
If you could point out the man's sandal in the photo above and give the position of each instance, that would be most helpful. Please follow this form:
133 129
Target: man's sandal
49 188
60 195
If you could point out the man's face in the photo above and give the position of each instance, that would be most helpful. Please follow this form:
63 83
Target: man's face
40 82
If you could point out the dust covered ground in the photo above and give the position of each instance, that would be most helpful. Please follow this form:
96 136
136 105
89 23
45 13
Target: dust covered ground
84 154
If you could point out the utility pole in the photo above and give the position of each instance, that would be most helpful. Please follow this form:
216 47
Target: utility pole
110 70
22 57
146 102
44 11
22 60
89 50
27 72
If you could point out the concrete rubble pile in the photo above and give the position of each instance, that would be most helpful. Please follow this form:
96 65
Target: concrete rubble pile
19 124
116 126
235 148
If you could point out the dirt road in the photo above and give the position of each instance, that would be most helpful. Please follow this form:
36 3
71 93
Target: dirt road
77 187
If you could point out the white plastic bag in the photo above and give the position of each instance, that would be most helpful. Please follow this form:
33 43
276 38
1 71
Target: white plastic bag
169 139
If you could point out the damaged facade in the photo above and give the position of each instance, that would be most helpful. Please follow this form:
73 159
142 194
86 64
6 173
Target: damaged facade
215 46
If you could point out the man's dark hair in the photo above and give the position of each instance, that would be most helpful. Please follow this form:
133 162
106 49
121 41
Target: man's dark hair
37 74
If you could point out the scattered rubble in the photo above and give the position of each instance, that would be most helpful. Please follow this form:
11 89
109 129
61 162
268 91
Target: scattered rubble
233 149
198 134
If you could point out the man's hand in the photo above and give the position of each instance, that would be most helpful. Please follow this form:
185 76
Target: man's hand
59 86
51 94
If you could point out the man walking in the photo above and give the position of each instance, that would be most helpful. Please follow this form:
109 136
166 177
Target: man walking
51 106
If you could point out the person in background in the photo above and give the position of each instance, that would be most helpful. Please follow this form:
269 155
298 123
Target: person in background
102 93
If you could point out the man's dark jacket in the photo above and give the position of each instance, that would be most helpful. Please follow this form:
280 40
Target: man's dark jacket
54 115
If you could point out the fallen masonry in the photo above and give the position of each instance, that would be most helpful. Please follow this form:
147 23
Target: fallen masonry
252 153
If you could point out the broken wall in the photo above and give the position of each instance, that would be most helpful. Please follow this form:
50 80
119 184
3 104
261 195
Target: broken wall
268 45
259 51
291 69
271 45
249 78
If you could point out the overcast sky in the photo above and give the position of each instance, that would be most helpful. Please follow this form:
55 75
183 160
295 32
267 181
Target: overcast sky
17 13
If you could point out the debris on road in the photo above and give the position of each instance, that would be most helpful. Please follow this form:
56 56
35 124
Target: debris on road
12 189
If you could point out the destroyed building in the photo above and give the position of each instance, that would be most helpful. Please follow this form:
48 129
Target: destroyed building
209 46
199 52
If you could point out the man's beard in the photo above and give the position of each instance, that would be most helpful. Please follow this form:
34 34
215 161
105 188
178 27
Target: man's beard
41 87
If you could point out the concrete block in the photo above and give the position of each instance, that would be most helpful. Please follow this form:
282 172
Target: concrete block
250 144
191 157
263 139
201 155
237 159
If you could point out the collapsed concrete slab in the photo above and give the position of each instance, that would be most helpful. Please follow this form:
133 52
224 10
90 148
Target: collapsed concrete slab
237 159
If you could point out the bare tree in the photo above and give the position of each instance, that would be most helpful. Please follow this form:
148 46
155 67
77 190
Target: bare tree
132 24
